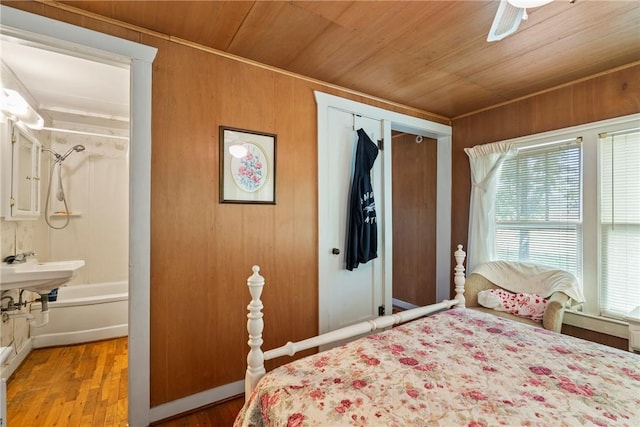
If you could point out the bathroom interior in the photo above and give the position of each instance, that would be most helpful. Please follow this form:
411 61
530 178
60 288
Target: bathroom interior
73 202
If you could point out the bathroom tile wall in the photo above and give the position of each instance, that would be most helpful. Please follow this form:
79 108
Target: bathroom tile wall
12 328
16 237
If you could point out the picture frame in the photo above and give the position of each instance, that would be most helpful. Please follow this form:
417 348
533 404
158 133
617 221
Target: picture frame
247 166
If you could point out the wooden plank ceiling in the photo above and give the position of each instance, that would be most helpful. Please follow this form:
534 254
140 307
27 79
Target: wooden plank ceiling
430 55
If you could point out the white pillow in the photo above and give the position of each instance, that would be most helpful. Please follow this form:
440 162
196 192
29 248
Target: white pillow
531 306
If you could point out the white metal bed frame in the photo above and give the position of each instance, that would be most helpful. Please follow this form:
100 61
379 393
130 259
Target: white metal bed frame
255 324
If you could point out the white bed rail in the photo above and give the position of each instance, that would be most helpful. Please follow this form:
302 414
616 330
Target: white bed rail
255 324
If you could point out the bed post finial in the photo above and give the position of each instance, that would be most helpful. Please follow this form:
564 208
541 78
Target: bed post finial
458 275
255 326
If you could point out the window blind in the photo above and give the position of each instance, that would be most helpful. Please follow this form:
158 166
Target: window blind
538 207
619 223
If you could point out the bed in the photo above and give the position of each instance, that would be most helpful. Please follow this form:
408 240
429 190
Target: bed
456 367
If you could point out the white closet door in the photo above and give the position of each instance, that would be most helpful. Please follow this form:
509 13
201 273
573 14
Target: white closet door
355 295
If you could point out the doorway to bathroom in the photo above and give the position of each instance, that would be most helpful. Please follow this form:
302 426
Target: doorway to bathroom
84 164
55 36
84 203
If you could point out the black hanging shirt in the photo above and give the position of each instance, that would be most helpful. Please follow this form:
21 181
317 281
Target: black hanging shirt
362 241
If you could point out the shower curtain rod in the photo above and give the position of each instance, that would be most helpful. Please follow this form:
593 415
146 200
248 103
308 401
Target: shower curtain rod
80 132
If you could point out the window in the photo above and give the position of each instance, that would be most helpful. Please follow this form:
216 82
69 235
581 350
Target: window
538 207
619 222
571 199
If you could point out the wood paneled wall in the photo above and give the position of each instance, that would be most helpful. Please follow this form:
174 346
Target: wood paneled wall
610 340
611 95
202 251
414 180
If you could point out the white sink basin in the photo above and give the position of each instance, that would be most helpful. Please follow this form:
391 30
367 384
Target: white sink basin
40 277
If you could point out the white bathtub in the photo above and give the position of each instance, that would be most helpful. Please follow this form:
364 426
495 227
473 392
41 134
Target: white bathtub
84 313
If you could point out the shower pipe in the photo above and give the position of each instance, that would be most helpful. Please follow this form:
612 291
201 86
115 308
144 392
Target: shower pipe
58 159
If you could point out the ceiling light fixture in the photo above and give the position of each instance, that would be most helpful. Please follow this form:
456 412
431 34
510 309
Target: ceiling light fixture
527 4
17 108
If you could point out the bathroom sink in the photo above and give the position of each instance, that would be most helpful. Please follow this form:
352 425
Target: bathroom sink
40 277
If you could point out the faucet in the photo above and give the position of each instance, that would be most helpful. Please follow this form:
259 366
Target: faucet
19 258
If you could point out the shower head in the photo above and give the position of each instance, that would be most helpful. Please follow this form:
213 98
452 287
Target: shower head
61 157
71 150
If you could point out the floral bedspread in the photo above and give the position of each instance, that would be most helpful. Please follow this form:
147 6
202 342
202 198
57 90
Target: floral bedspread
456 368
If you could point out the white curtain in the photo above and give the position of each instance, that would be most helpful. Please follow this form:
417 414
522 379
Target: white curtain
485 161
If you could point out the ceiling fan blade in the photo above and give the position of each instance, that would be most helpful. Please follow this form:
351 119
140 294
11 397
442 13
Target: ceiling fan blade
506 21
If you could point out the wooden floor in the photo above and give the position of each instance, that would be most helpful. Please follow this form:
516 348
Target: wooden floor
220 415
79 385
86 385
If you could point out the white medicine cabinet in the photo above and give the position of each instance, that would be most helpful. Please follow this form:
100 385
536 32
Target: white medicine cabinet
20 172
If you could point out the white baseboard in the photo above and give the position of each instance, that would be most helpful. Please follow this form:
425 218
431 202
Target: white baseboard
196 401
77 337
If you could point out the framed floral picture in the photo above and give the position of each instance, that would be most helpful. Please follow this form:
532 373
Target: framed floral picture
247 166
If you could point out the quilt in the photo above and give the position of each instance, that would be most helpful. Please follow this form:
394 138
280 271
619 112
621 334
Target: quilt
456 368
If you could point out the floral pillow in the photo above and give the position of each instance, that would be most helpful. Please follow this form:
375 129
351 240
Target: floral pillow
531 306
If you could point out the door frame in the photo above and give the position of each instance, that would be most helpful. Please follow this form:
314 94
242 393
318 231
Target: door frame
80 41
392 121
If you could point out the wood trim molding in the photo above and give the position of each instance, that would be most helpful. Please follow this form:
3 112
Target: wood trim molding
211 50
532 95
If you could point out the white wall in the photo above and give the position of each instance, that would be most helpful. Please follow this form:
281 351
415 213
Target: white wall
16 237
96 186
